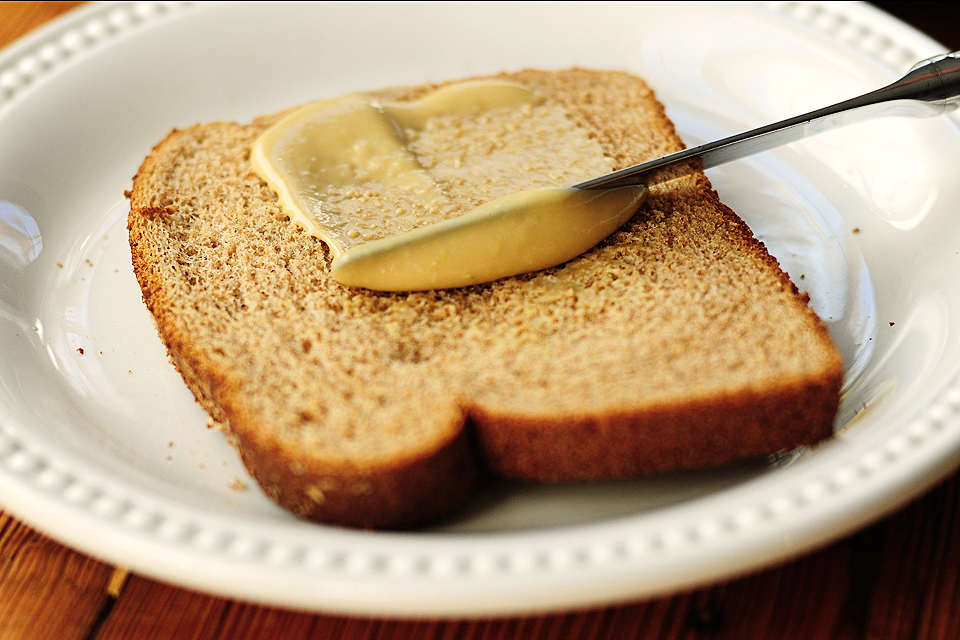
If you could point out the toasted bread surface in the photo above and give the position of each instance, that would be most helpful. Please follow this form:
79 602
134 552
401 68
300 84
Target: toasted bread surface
676 343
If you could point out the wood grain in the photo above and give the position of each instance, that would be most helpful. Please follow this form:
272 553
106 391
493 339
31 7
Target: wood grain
898 579
44 585
18 18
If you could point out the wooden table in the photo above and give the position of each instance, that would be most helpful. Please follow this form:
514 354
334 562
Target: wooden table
899 578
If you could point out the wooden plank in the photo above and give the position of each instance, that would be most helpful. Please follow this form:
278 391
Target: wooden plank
28 16
151 609
44 586
916 593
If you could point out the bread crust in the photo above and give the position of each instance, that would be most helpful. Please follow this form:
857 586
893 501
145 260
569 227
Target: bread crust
238 294
696 434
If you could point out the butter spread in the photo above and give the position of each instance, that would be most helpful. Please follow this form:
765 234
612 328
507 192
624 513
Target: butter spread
393 187
527 231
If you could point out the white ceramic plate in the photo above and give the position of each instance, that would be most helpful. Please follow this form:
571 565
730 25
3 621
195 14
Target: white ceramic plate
106 451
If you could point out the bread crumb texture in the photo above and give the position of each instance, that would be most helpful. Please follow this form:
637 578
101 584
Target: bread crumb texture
676 343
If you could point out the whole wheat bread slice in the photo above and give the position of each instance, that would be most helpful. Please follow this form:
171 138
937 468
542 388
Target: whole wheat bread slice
677 343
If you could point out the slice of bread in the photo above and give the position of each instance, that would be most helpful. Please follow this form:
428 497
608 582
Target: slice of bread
677 343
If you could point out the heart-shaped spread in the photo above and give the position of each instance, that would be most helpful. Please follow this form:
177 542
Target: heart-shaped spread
393 187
